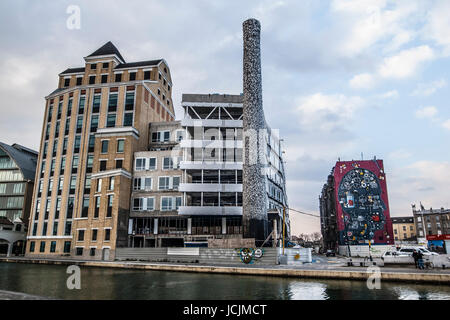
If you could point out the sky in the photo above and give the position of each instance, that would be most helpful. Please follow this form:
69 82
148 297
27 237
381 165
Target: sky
341 79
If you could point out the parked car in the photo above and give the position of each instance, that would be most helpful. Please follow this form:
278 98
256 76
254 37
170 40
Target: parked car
409 251
396 257
330 253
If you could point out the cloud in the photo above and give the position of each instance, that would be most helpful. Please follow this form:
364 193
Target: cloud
437 27
389 95
420 181
426 112
327 112
362 81
427 89
405 63
446 124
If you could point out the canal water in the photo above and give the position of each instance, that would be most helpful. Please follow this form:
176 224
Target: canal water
103 283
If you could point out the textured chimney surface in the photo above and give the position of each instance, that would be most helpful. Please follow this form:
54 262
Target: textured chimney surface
254 189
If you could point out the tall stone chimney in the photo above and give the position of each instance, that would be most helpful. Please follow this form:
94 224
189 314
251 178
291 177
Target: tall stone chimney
255 222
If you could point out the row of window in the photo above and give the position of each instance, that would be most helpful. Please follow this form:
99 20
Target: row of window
164 183
42 244
169 163
148 203
12 188
94 233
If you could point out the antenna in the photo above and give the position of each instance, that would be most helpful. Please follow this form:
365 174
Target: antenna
362 156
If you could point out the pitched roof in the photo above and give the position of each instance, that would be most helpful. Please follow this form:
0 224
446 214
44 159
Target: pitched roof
26 161
73 70
107 49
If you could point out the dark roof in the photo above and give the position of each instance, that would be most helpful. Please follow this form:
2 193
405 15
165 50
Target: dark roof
25 160
213 98
5 221
139 64
107 49
73 70
402 219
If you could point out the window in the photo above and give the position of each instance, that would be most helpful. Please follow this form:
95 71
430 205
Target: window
66 246
77 144
128 119
105 65
161 136
152 164
103 165
129 101
93 66
75 163
107 234
99 185
68 228
111 183
91 79
80 235
175 183
58 209
138 204
66 82
92 252
150 204
119 163
94 234
73 183
148 183
112 102
166 203
110 205
91 145
55 228
97 207
42 247
90 163
44 229
167 163
137 184
146 75
140 164
118 77
96 103
105 146
111 120
120 145
79 124
81 105
132 76
67 127
53 246
79 251
79 81
85 209
32 246
164 183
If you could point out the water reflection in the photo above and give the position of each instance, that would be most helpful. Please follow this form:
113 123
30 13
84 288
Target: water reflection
100 283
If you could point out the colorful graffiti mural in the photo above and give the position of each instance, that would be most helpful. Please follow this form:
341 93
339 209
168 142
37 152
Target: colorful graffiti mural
250 255
363 210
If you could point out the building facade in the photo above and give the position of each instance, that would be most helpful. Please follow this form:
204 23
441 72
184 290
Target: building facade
93 124
404 229
17 173
212 167
354 205
434 226
155 200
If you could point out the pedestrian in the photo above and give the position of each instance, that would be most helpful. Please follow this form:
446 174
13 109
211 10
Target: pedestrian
416 258
420 260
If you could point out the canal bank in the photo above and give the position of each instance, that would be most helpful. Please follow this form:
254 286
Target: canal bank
307 271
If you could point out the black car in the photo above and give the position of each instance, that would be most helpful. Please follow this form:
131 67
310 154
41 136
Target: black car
330 253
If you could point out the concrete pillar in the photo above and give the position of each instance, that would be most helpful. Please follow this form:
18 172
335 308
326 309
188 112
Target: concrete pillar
275 233
189 226
155 226
9 252
224 225
254 188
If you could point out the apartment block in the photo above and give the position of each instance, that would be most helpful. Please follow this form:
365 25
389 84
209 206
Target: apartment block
93 124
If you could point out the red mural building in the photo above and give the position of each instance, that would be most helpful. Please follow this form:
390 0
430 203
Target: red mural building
354 205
